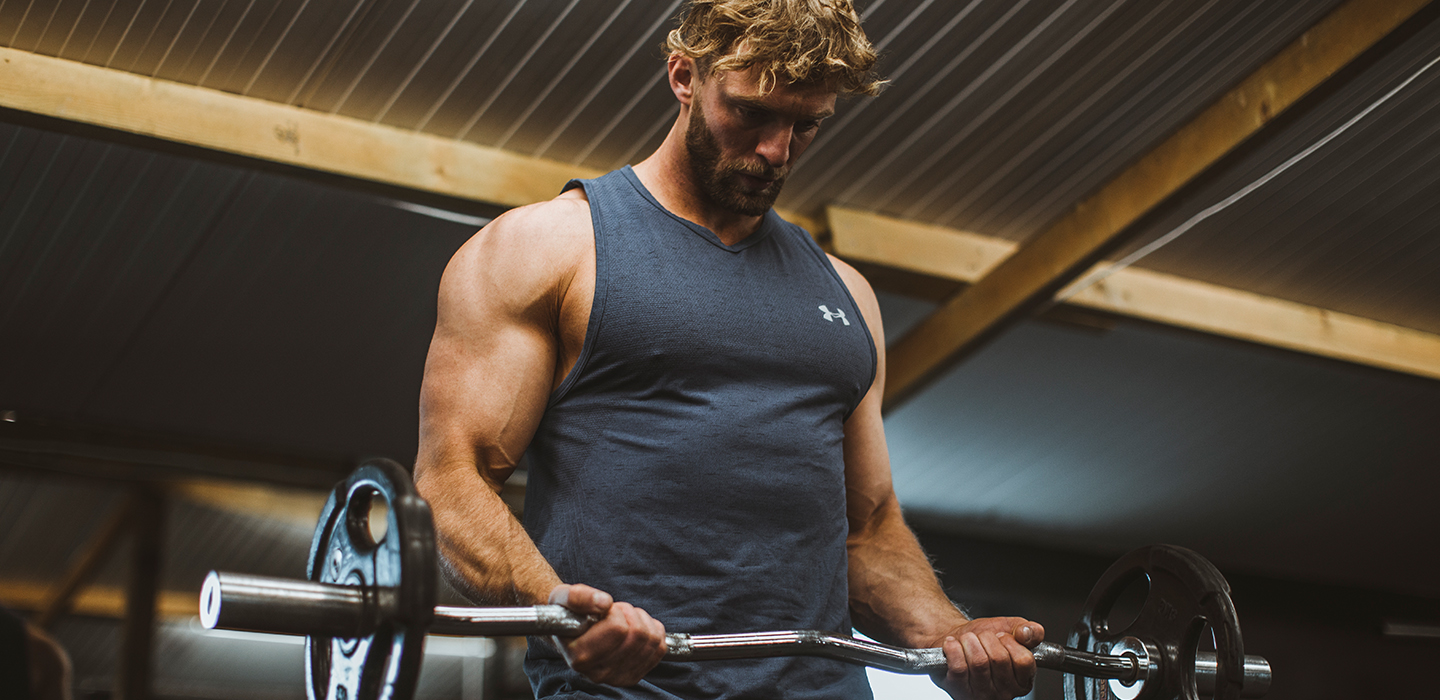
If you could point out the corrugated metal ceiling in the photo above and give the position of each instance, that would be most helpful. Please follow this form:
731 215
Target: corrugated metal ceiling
1354 227
151 283
159 291
1000 116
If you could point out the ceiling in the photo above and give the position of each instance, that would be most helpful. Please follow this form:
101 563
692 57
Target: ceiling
168 292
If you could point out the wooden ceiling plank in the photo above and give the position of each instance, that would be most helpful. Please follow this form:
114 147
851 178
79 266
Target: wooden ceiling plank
932 250
1233 313
1145 294
87 562
256 128
94 601
1096 225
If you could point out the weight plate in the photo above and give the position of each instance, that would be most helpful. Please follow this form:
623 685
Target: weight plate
1186 592
382 660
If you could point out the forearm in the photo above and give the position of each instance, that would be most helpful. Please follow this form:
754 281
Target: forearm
894 593
484 550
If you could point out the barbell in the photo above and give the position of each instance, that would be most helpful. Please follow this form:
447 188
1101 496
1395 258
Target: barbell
367 605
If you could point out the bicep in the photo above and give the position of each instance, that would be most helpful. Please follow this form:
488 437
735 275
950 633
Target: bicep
487 375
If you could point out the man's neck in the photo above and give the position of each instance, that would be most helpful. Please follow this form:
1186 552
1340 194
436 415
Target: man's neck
666 173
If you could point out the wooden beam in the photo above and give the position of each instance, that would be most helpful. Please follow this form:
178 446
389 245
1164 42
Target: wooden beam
1137 293
94 601
135 676
1285 324
89 560
906 283
1097 225
255 128
907 245
298 507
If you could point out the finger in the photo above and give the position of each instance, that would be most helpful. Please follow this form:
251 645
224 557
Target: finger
1000 669
977 662
614 630
1028 633
591 651
650 638
614 661
955 675
1022 662
657 640
581 598
645 649
633 654
658 630
560 594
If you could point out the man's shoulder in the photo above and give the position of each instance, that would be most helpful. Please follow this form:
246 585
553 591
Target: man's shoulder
558 227
560 218
526 251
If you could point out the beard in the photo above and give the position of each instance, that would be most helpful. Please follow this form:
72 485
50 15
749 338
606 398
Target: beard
719 180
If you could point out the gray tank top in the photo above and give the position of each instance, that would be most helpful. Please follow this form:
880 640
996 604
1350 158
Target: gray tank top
691 462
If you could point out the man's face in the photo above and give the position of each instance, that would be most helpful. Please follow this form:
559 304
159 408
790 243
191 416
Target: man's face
742 143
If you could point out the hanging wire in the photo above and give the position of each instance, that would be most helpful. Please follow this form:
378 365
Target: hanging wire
1100 274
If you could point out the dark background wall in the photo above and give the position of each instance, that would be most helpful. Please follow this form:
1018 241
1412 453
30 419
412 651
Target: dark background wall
1323 642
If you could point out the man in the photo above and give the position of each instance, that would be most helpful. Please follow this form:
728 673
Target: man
698 389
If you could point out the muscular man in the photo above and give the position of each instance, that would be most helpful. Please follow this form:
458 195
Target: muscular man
698 388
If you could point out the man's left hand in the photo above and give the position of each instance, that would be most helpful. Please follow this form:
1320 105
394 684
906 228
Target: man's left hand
990 659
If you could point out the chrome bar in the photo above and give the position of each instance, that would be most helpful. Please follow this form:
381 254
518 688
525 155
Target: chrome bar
286 606
508 622
685 647
1257 675
1090 665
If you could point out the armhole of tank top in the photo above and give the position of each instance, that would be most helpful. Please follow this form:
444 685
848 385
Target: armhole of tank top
597 303
819 252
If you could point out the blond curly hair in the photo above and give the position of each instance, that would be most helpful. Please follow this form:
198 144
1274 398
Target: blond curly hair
791 41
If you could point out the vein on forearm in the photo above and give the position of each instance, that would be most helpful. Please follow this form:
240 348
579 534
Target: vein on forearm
895 595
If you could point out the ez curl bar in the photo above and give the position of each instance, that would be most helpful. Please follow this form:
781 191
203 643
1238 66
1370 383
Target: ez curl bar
368 605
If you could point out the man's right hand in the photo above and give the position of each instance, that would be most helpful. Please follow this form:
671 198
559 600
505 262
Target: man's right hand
620 648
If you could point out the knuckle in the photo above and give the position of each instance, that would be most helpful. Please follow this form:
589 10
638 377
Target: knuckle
979 658
1024 662
631 640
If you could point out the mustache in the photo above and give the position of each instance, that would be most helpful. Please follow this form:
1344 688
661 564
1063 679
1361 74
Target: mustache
763 172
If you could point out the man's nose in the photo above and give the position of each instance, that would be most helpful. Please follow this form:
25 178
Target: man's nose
774 146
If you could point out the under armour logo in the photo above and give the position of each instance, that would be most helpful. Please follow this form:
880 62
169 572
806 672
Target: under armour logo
832 315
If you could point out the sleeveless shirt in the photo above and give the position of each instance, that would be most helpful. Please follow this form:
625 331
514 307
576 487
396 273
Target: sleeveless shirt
691 461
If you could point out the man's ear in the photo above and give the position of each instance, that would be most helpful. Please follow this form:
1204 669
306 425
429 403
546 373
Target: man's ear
683 77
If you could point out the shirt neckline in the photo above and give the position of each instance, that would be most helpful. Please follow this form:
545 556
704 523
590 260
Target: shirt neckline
767 223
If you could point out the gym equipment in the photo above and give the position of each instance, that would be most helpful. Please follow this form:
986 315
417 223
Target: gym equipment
395 574
369 602
1186 594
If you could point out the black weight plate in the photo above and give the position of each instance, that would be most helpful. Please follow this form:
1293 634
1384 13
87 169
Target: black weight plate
1186 592
383 659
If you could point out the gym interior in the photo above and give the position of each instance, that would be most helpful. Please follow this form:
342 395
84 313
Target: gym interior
223 225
